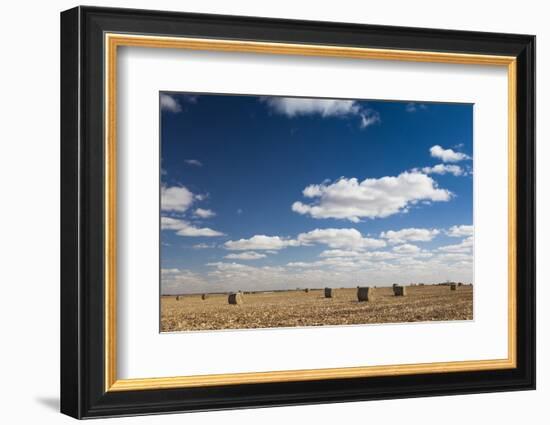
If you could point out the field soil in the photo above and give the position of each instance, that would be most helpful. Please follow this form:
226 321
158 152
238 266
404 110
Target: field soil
298 308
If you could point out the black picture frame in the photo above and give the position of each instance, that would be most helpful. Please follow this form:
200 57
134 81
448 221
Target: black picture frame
82 219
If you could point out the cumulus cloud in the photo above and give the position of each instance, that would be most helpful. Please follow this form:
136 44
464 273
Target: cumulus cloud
455 170
460 231
465 246
339 253
333 238
184 228
176 198
451 256
169 103
260 242
204 213
294 106
372 198
358 255
447 155
249 255
406 249
339 238
176 281
194 162
410 234
191 230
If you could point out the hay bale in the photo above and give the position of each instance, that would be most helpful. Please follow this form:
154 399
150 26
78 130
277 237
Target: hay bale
453 286
399 291
306 290
177 297
328 292
364 293
204 296
235 298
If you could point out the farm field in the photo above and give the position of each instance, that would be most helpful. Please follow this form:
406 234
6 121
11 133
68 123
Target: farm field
299 308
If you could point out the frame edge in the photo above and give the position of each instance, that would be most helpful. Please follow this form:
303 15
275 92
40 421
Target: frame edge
70 349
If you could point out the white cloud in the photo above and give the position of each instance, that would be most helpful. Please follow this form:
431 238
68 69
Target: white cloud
204 246
229 266
169 223
330 263
294 106
176 198
455 170
414 107
184 228
371 267
372 198
358 255
333 238
191 98
339 238
460 231
447 155
193 231
369 117
203 213
465 246
194 162
339 253
451 256
406 249
410 234
249 255
260 242
177 281
169 103
301 264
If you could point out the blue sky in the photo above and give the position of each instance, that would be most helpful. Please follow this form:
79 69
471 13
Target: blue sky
278 192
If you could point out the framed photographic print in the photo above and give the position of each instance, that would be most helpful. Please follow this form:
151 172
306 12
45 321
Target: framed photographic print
261 212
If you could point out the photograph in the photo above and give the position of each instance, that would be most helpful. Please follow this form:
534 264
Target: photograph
281 211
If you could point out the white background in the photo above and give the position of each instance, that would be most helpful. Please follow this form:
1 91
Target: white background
145 72
29 224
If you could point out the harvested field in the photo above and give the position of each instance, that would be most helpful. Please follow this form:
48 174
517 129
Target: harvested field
300 308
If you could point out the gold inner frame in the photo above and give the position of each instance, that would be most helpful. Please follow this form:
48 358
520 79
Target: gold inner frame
113 41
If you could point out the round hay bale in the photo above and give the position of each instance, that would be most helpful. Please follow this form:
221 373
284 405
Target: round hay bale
453 286
399 291
306 290
235 298
177 297
328 293
364 293
204 296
